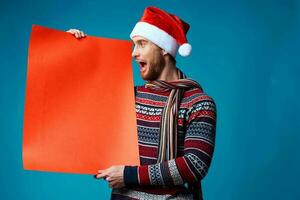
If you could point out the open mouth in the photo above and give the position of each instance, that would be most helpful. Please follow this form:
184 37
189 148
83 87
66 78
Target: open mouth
142 65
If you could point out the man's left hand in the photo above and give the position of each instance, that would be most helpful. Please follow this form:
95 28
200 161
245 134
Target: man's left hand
114 175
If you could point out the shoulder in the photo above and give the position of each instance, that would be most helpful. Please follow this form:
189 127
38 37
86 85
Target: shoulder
195 97
138 88
199 105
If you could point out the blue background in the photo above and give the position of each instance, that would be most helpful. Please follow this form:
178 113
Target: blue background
245 55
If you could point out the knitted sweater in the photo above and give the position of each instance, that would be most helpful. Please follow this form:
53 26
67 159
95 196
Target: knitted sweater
179 178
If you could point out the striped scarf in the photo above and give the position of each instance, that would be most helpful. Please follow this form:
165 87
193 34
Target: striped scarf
168 127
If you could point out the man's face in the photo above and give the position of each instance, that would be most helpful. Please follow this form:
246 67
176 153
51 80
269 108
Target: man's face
150 58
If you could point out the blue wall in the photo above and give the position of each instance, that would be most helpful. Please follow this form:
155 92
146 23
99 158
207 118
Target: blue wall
245 55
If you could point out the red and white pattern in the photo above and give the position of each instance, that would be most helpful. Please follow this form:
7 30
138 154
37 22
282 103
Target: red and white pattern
196 138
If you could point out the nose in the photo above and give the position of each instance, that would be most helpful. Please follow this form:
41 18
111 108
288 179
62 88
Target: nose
134 53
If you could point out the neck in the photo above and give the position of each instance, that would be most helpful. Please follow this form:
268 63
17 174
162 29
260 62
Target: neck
169 73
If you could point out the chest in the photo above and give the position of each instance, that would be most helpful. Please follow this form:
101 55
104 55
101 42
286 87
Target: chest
149 111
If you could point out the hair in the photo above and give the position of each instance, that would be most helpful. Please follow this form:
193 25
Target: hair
173 60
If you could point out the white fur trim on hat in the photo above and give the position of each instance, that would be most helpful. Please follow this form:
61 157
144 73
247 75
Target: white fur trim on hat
157 36
185 49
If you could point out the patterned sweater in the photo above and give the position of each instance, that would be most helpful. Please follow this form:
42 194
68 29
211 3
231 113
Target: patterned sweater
181 177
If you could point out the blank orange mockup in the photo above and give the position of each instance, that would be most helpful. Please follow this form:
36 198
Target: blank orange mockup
79 108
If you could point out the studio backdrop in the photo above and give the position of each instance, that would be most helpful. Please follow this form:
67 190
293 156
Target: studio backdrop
245 55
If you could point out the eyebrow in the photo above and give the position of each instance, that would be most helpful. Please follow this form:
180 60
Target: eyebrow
139 41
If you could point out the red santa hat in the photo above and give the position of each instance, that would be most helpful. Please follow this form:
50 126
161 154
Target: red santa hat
165 30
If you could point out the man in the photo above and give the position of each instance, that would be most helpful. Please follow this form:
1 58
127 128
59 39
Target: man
176 120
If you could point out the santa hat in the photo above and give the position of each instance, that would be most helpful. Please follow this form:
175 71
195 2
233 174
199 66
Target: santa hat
165 30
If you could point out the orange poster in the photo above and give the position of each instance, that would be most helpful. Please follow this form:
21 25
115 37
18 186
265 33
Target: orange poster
79 108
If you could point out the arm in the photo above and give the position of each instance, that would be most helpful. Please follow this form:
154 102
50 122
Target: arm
198 151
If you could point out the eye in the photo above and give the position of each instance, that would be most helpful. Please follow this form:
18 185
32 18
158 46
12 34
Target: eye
143 43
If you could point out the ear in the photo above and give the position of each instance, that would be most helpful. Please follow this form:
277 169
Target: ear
164 52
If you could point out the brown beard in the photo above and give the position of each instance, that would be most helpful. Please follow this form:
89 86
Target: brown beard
155 67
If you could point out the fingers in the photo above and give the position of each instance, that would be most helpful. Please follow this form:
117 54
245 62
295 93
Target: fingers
116 184
103 175
77 33
83 34
112 175
112 182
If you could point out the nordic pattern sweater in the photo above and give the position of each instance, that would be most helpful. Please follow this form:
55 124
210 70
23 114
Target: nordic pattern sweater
179 178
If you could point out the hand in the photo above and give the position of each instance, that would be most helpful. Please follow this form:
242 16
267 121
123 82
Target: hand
114 175
77 33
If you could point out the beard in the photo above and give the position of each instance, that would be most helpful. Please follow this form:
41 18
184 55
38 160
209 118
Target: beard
155 67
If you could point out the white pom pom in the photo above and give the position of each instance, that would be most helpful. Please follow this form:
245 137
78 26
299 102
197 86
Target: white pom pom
185 49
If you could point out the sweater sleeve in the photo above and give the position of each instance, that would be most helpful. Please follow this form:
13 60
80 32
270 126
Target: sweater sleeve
198 151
